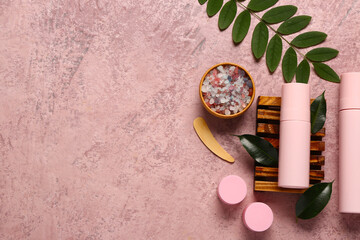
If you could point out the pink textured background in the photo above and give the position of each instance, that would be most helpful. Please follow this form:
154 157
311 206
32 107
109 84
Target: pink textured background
97 99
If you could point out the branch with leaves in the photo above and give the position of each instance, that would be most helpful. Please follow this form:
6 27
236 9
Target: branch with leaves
260 38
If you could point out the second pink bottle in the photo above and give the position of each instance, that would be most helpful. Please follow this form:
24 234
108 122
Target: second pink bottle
295 130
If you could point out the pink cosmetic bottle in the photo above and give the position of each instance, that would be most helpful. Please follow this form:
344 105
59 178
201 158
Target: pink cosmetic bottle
349 131
295 128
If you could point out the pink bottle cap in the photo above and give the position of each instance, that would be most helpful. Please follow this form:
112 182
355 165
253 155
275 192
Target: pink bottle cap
349 91
295 102
258 217
232 189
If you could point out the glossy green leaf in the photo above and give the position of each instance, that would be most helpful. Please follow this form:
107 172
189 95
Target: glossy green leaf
309 39
202 2
322 54
303 72
289 64
260 150
260 5
241 26
313 200
325 72
259 40
273 53
318 113
227 14
279 14
294 25
213 7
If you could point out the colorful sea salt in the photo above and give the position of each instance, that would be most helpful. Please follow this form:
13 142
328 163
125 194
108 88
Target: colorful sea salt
227 89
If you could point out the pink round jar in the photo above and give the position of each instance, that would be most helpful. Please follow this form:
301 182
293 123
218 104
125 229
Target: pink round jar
258 217
232 190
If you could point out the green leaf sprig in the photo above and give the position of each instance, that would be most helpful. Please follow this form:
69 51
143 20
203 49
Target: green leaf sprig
313 200
202 2
260 38
227 15
318 113
260 150
241 26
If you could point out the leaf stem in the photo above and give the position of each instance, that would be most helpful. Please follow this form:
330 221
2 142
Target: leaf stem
270 27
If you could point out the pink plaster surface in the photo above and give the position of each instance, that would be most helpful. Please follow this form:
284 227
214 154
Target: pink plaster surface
97 99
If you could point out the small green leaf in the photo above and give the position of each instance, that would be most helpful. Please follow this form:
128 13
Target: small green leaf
322 54
213 7
260 150
303 72
260 5
308 39
241 26
325 72
202 2
289 64
313 200
273 53
259 40
318 113
279 14
294 25
227 14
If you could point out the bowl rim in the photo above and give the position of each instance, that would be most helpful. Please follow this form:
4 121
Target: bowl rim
222 115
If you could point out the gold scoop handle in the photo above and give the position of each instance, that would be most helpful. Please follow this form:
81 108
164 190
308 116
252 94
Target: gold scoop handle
208 139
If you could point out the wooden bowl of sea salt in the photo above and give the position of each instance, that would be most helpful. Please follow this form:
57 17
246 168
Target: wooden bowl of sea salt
227 90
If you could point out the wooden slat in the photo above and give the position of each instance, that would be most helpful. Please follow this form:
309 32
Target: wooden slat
268 114
273 172
317 146
269 101
273 187
317 160
314 145
272 101
268 128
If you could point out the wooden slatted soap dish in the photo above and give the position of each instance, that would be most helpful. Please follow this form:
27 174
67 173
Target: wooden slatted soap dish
267 126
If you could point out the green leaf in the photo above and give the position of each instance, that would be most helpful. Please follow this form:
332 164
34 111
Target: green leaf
213 7
294 25
202 2
313 200
322 54
241 26
303 72
260 150
259 40
260 5
325 72
318 113
308 39
227 14
273 53
289 64
279 14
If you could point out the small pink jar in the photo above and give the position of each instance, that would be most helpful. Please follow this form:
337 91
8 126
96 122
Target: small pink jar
258 217
232 190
